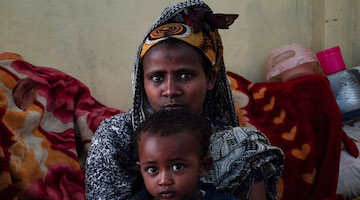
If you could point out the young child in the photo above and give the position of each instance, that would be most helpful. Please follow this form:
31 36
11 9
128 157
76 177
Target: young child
172 146
291 61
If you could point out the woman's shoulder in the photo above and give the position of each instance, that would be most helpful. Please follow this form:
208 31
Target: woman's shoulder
121 118
117 128
112 138
115 123
241 133
219 126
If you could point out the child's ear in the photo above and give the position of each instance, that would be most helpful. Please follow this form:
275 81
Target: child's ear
205 165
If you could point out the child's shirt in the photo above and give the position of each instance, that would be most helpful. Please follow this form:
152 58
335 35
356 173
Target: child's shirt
209 194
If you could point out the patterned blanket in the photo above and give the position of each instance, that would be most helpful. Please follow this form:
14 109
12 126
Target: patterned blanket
302 118
47 119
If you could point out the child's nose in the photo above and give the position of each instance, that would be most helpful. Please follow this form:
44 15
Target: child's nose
166 178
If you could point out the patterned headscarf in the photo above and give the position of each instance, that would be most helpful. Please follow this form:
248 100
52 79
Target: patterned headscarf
194 23
207 43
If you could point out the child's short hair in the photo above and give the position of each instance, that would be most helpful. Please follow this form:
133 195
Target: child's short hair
169 122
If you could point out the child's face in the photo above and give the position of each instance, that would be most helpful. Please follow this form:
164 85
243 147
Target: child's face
174 78
171 165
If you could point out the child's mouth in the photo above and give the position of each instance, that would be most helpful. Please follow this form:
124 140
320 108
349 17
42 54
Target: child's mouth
166 194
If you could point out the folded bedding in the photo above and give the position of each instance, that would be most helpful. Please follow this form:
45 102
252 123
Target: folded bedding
303 119
47 119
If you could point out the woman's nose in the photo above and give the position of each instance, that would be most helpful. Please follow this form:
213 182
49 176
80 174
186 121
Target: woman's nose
166 178
171 88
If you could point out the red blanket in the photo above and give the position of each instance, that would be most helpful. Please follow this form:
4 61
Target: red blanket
303 119
47 119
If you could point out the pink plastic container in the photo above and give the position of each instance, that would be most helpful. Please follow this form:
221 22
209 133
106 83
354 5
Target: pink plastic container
331 60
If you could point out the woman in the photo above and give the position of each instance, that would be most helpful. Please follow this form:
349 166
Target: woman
179 64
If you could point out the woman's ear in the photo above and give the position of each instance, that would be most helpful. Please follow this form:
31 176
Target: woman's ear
211 79
205 165
138 164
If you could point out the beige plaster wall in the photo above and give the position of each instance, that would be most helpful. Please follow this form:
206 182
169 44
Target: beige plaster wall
95 40
337 23
339 27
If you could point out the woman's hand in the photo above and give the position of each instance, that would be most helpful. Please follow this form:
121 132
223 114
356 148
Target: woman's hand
258 192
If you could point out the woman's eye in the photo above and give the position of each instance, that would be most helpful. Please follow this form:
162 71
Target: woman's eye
156 78
151 170
177 167
185 76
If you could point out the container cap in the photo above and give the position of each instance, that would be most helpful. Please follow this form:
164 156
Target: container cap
331 60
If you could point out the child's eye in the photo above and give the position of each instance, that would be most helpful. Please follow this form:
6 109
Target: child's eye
151 170
177 167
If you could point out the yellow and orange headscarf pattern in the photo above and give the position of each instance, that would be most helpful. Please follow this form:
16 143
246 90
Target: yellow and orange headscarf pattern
209 43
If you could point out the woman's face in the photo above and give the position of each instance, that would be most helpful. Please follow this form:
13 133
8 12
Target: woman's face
174 78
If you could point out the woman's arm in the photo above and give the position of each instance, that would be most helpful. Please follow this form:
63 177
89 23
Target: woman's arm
255 150
257 192
105 177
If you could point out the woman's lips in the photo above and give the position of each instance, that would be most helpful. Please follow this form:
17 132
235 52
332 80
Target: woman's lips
172 106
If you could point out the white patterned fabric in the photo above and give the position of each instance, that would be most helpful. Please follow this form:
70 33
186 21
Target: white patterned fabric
349 168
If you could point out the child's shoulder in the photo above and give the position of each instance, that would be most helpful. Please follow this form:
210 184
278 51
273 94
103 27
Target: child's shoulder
142 195
209 194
